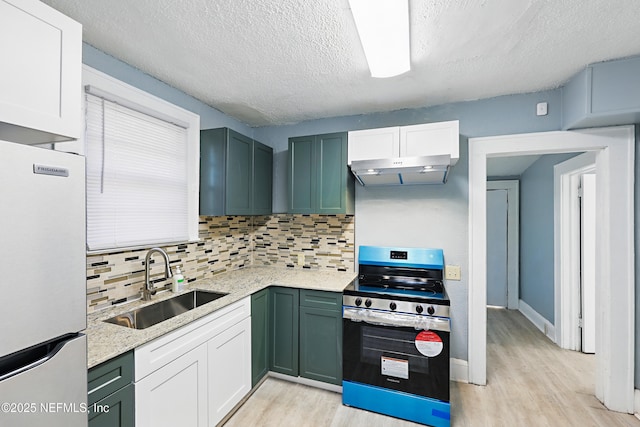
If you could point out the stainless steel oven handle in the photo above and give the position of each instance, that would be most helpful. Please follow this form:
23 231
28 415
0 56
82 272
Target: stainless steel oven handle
384 318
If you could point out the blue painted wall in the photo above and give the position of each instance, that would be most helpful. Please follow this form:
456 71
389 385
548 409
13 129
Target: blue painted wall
209 116
536 235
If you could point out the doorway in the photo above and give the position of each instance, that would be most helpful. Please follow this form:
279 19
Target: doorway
575 208
503 245
615 285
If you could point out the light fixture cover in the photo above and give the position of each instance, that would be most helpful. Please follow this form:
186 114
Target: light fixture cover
383 26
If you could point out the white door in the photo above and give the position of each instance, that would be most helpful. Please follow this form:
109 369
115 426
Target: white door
497 282
588 262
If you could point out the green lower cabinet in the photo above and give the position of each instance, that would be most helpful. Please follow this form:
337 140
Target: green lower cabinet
111 393
283 330
115 410
296 332
259 335
321 345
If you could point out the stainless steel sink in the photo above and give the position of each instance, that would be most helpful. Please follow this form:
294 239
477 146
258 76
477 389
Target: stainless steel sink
150 315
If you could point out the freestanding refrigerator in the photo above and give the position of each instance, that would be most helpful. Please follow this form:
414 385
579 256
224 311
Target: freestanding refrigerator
43 355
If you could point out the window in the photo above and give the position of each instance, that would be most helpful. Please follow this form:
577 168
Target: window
142 167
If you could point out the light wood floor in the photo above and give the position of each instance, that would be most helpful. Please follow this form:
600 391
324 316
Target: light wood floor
531 382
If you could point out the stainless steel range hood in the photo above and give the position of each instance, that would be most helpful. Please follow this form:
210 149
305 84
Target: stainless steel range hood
402 170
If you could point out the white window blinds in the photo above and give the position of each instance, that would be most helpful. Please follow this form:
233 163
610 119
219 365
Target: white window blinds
137 190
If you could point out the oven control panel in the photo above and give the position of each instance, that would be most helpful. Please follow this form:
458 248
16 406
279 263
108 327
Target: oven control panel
411 307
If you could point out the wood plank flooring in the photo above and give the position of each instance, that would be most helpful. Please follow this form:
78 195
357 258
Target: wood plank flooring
531 382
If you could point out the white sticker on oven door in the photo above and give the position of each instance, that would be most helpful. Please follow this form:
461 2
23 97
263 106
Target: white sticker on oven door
395 367
429 343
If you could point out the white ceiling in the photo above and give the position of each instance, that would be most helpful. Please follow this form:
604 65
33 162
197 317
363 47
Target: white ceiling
270 62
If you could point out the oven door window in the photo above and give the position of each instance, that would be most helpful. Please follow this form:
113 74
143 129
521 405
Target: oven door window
399 358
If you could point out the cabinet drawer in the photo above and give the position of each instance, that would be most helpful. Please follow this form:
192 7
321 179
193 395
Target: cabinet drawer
163 350
321 299
110 376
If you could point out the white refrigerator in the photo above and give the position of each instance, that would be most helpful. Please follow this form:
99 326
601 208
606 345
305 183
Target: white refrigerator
43 354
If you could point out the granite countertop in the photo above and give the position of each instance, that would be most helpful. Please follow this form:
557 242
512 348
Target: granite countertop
106 340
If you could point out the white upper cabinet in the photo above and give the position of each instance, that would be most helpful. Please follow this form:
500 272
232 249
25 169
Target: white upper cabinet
430 139
40 76
381 143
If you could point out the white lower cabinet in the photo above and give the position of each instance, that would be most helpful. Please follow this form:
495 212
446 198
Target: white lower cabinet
175 395
229 369
193 376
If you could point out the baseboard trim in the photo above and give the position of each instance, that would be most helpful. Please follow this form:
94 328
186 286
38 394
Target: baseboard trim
636 403
546 327
307 381
459 370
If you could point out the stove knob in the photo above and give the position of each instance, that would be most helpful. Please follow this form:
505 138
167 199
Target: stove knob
358 301
431 310
367 303
419 309
393 306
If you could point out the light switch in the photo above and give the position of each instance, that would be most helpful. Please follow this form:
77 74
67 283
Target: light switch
452 272
301 260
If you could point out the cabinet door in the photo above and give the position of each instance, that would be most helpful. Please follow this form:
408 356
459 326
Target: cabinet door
41 72
115 410
239 174
302 175
321 345
430 139
229 369
369 144
175 395
262 178
331 160
213 148
259 335
283 333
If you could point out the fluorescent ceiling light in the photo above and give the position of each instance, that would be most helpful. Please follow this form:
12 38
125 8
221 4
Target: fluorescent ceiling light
383 26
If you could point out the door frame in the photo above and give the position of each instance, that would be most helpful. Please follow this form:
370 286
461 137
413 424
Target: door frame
566 221
513 238
615 148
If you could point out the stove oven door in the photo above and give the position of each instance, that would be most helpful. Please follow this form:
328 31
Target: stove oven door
401 358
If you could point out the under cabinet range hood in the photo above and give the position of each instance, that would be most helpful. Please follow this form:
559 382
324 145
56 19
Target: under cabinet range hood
402 170
404 155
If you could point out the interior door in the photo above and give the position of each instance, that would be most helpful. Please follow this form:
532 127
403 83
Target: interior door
588 263
497 207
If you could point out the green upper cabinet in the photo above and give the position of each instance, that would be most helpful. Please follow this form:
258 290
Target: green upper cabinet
235 174
319 179
262 178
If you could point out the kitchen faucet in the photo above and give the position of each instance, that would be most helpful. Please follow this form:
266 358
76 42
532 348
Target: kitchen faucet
149 289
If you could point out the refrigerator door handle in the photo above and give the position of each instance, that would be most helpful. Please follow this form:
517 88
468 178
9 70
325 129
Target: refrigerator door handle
27 367
28 363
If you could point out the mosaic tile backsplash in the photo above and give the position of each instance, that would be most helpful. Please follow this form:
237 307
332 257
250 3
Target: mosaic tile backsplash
226 243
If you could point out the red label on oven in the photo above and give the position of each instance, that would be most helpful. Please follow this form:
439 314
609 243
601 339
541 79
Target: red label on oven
429 343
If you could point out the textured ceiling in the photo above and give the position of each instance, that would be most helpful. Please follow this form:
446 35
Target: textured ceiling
269 62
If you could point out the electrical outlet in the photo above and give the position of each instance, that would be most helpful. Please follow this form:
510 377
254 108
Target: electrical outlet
300 260
452 272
